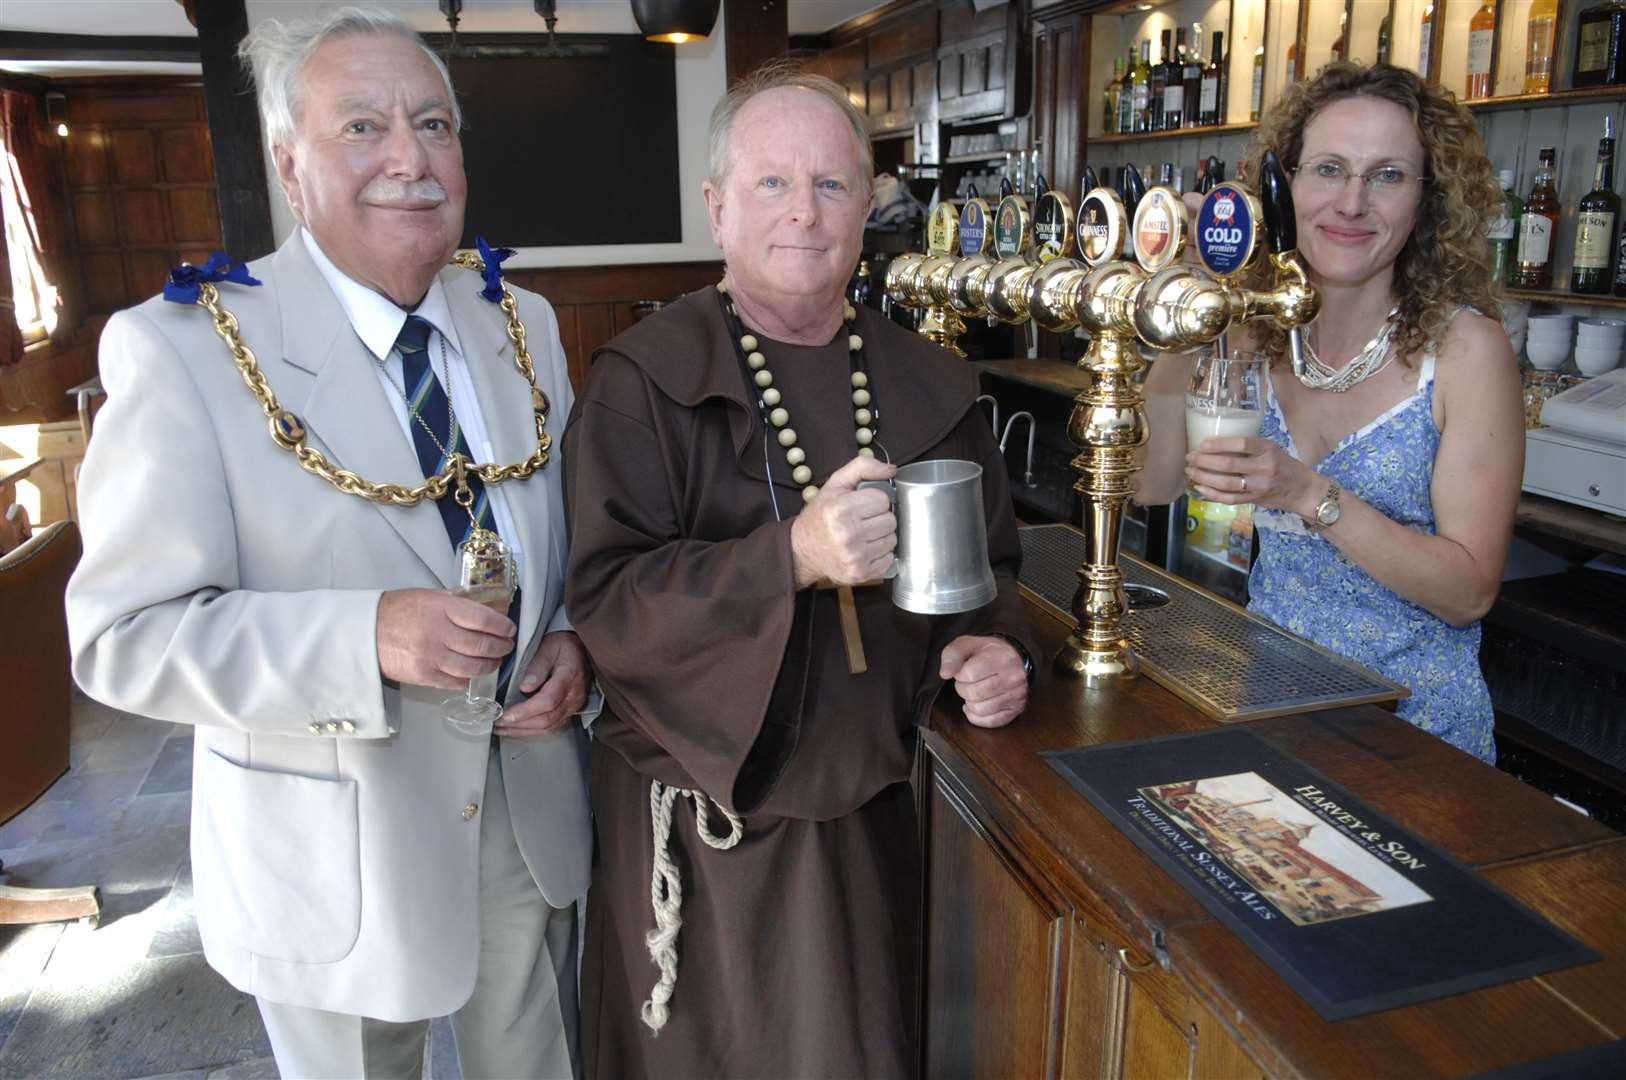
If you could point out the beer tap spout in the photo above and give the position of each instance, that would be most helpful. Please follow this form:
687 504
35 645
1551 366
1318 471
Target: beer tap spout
1027 472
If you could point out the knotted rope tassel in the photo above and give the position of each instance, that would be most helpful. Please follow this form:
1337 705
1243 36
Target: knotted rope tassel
666 890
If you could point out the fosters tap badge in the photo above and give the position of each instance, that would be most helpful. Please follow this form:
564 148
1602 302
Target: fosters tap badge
973 228
1228 227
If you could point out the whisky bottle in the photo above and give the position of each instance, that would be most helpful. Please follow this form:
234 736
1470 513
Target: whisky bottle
1598 41
1109 101
1538 49
1192 76
1256 102
1160 85
1143 87
1425 44
1174 86
1126 95
1595 218
1209 109
1292 62
1340 44
1538 226
1481 31
1386 38
1501 231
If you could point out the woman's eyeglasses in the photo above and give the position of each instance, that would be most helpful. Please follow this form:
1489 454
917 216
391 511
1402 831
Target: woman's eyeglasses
1383 182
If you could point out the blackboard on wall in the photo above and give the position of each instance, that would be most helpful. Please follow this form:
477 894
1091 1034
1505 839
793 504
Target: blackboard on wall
568 150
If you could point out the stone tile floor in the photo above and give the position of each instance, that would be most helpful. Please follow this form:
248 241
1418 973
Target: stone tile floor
133 997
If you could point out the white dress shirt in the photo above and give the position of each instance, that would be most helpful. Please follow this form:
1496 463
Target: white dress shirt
378 322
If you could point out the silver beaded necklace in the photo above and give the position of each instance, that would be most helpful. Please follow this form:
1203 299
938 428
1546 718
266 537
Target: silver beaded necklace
1373 358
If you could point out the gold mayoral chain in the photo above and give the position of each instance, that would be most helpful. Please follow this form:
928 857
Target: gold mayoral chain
288 431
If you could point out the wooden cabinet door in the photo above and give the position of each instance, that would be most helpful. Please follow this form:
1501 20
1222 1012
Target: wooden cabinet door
994 944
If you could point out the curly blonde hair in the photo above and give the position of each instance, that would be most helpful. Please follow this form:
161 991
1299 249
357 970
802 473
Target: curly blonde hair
1447 261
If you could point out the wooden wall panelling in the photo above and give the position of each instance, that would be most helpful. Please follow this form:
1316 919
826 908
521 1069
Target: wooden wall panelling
233 134
756 31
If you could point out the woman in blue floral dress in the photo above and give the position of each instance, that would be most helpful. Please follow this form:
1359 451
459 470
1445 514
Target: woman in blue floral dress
1385 482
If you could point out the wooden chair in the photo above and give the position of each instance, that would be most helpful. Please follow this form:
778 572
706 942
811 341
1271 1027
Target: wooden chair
38 692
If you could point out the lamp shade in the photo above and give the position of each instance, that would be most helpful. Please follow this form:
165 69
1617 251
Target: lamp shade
675 21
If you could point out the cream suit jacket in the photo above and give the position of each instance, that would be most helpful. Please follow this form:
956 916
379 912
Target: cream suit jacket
335 817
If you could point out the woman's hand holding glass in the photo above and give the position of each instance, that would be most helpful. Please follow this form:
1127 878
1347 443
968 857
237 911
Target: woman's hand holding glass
1222 403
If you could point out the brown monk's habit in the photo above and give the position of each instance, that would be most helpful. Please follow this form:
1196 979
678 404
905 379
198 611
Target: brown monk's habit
797 955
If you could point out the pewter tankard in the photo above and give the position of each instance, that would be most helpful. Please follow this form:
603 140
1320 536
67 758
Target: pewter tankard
941 565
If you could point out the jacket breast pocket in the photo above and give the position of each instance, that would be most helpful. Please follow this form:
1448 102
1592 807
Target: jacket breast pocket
277 861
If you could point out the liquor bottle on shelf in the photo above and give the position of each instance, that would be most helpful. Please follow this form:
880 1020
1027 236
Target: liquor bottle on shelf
1110 98
1143 87
1160 85
1292 62
1174 85
1502 230
1425 44
1595 218
1386 38
1540 37
1598 40
1538 226
1209 95
1126 96
1256 102
1192 76
1340 44
1165 174
1481 31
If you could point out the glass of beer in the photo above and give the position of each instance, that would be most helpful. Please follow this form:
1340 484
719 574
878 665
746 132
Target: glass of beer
486 575
1224 396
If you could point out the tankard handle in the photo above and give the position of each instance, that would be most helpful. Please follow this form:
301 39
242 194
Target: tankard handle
891 490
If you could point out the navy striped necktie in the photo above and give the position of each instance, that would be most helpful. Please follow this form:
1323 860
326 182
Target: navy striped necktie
427 402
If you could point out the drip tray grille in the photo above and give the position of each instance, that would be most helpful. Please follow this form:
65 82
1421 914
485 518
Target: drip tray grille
1226 662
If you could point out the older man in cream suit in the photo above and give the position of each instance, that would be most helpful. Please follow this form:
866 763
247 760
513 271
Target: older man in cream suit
358 865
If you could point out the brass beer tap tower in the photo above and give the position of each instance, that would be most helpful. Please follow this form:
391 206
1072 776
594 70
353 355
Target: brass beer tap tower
1166 304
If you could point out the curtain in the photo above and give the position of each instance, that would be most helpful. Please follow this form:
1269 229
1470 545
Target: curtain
25 205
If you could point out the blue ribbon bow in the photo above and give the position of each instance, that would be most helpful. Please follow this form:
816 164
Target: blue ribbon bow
182 286
493 258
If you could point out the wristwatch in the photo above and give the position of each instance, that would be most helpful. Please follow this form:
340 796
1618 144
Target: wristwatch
1326 511
1027 661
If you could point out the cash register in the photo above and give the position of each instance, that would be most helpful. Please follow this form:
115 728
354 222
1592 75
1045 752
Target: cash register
1579 455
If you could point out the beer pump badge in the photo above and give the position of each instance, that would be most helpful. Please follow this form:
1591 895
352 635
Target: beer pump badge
943 233
973 228
1100 227
1011 227
1227 230
1159 229
1052 226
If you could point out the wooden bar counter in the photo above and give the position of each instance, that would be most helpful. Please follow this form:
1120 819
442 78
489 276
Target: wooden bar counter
1055 947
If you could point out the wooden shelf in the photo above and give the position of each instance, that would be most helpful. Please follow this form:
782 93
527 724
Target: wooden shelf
1591 527
1556 296
1179 133
1556 97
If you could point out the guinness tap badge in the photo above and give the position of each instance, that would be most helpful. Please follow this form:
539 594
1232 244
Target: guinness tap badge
973 228
1012 227
1230 226
1160 229
1052 226
943 234
1100 226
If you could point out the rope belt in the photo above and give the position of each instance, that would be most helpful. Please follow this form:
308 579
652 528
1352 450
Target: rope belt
666 889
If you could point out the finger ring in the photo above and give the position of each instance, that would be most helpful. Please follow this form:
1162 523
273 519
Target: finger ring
1244 485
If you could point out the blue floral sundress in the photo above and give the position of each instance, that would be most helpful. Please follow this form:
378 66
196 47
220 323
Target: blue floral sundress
1304 583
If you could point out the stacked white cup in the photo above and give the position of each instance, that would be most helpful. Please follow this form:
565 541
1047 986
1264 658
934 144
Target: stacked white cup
1598 344
1548 339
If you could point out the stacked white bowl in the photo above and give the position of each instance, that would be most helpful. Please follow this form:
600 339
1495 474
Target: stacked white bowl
1598 343
1548 339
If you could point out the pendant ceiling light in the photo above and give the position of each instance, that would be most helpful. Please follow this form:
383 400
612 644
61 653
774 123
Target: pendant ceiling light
675 21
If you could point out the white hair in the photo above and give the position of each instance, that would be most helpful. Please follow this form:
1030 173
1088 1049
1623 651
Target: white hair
773 75
275 53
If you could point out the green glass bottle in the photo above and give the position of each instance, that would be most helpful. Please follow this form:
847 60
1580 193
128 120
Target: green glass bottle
1502 230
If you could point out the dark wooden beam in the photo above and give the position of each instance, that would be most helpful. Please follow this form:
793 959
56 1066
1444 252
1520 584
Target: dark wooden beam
234 132
757 31
25 45
33 85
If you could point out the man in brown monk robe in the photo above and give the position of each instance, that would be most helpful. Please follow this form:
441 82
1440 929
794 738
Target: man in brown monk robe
712 469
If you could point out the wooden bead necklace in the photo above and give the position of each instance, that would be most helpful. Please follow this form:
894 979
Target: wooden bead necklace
754 366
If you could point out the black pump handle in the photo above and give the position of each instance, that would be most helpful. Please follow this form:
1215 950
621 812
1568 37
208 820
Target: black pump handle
1276 195
1005 187
1086 184
1134 190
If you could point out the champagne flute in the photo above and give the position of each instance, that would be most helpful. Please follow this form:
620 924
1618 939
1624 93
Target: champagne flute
486 575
